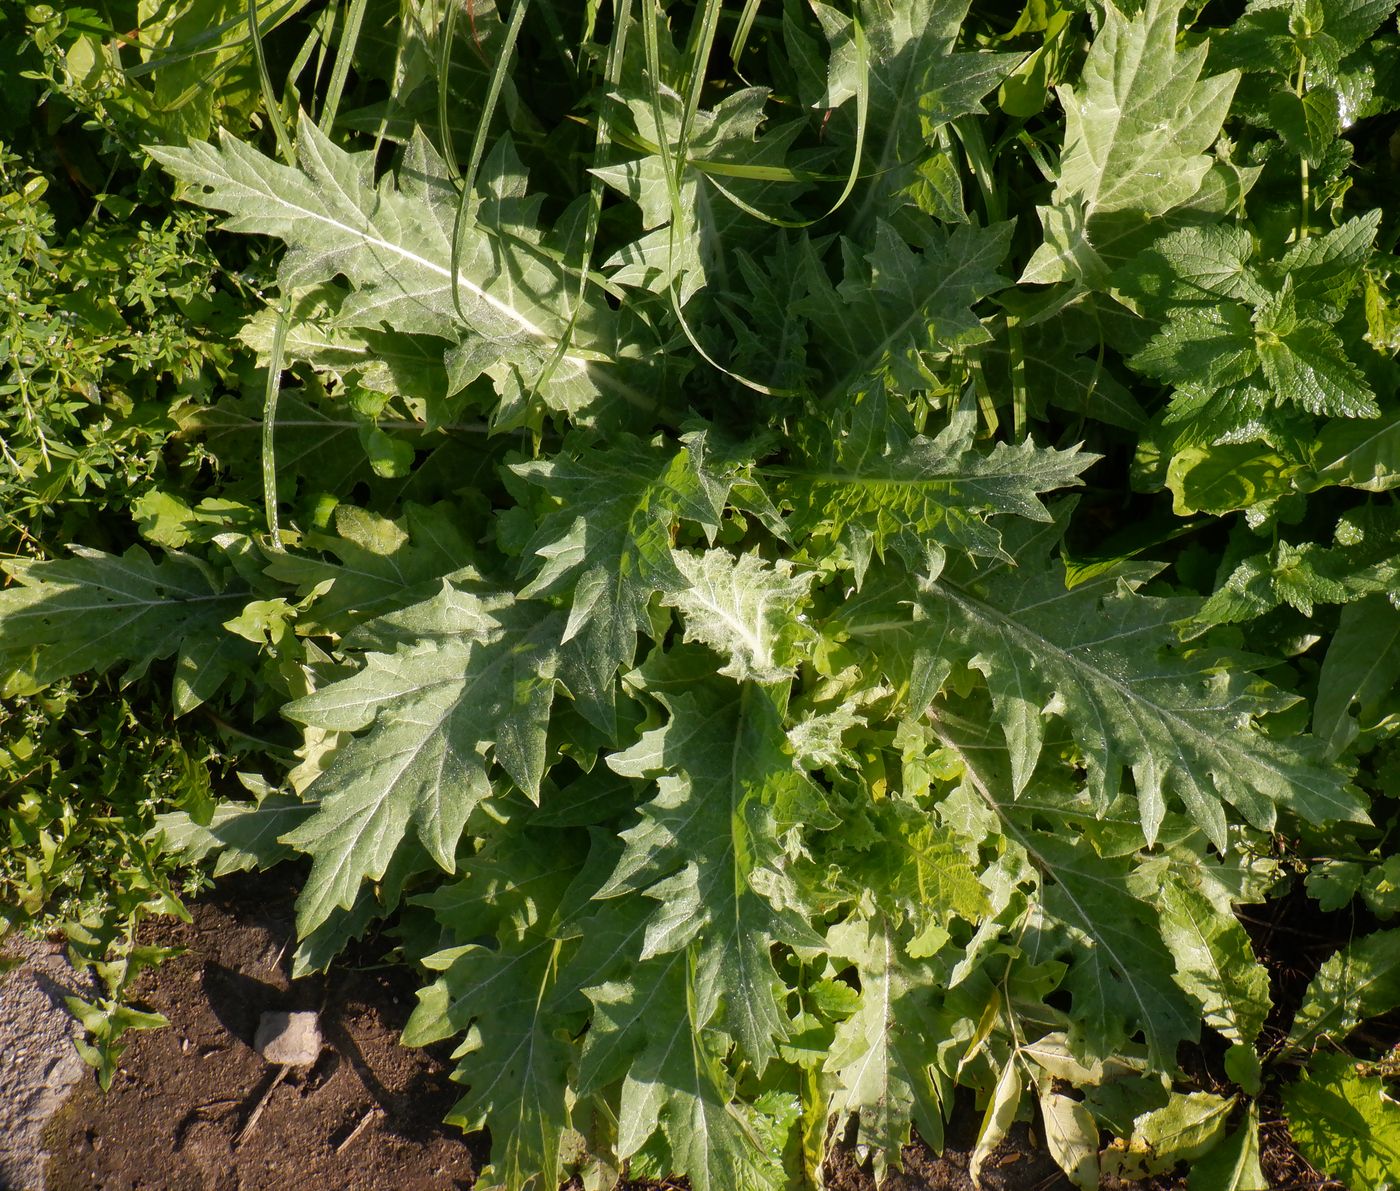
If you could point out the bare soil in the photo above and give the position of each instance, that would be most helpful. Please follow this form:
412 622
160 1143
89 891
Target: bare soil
195 1108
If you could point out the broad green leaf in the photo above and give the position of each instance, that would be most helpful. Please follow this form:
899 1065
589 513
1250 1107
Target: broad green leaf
1362 666
1359 454
1137 131
433 709
1120 973
608 541
1233 1165
1072 1138
394 245
1227 476
1214 961
1361 980
872 488
1087 912
745 609
710 848
243 835
881 1061
1187 1128
1345 1122
514 1063
1105 658
900 303
677 1083
95 611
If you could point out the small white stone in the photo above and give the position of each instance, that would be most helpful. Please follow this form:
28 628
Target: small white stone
288 1039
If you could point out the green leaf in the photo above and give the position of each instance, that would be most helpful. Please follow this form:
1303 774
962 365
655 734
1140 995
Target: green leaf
1072 1138
513 1062
608 543
1105 658
1233 1165
1361 668
1215 963
1120 975
1309 365
868 486
745 609
676 1082
1137 129
914 81
1186 1129
899 304
710 848
433 709
880 1059
1136 133
1359 454
95 611
1361 980
1345 1123
394 245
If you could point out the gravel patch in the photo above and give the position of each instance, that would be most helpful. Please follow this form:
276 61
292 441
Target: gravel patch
38 1065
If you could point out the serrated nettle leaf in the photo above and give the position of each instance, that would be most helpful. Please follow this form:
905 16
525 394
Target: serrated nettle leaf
1361 980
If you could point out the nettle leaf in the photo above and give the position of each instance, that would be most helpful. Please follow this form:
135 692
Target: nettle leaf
1105 658
881 1058
1136 134
434 708
712 848
393 243
1236 332
871 487
1345 1121
1302 576
608 542
95 611
1361 980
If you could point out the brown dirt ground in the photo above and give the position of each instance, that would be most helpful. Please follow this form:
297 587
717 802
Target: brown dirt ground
195 1108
